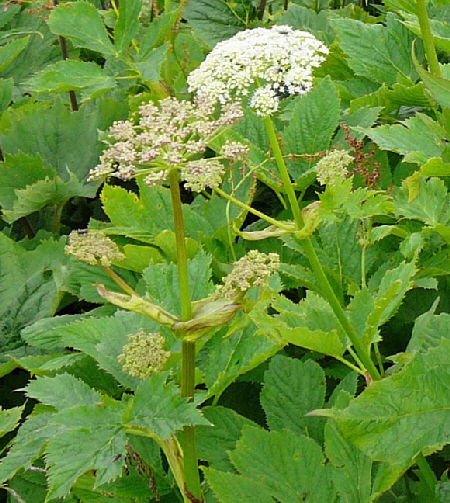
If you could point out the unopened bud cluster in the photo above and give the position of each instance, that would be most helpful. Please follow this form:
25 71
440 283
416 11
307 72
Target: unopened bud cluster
144 354
264 64
169 136
253 269
333 166
93 247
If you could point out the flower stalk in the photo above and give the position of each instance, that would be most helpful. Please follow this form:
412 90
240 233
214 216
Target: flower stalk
187 436
326 289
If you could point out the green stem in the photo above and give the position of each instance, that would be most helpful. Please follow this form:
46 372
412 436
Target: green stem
182 264
187 436
326 289
57 214
248 208
119 281
427 37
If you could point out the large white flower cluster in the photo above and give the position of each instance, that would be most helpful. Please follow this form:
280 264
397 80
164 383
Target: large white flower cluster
265 64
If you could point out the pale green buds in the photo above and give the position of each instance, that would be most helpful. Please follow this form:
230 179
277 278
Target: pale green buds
93 247
333 166
144 355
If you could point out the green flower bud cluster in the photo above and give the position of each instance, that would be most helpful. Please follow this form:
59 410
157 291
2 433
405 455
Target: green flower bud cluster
144 354
333 166
93 247
253 269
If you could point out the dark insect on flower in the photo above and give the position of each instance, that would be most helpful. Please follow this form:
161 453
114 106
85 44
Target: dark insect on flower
82 232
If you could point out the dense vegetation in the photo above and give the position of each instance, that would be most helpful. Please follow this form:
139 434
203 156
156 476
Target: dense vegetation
224 251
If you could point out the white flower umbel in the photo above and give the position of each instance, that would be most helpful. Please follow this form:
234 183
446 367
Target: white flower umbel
263 64
166 137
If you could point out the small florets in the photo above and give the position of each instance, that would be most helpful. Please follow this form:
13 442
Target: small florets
166 137
253 269
144 354
93 247
277 61
333 166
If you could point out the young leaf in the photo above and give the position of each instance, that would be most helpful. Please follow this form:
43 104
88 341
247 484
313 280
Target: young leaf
82 24
293 388
402 415
158 408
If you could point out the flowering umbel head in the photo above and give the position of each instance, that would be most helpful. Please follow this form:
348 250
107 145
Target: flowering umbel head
93 247
169 136
253 269
261 63
144 354
333 166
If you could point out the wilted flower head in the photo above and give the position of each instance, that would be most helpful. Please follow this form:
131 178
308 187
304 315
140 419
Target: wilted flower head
93 247
165 137
252 269
332 166
276 62
144 354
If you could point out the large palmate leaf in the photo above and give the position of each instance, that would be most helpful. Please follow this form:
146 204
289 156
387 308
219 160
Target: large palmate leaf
281 465
404 414
380 53
292 389
315 117
82 24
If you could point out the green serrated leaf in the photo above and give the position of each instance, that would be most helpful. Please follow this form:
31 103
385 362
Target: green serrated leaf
127 24
159 410
66 141
293 388
402 415
418 138
10 51
223 359
314 119
215 441
212 21
70 75
230 487
6 93
9 419
430 204
82 24
151 66
98 428
288 466
380 53
62 391
27 446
